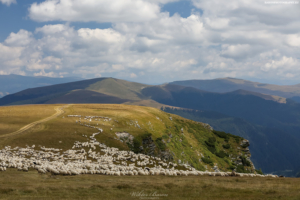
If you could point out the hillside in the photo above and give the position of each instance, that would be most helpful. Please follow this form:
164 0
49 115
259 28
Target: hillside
274 151
154 132
10 84
223 85
249 107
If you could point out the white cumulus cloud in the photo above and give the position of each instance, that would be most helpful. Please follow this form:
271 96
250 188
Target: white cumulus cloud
238 38
94 10
8 2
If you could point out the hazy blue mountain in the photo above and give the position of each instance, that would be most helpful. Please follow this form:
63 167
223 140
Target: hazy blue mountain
223 85
14 83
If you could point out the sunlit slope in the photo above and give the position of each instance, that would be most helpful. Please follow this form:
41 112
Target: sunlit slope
99 90
119 88
183 139
12 118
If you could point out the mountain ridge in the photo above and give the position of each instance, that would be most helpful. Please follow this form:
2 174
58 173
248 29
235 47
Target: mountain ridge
15 83
228 84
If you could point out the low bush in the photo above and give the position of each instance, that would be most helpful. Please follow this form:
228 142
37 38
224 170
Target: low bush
221 154
226 146
207 161
231 167
258 171
146 135
212 149
160 144
211 142
245 161
221 134
240 169
136 145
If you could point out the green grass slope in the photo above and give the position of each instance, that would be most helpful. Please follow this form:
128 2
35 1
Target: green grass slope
273 150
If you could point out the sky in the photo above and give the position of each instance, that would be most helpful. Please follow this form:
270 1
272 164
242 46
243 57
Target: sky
152 41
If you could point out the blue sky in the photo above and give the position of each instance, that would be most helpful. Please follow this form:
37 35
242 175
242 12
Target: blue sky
151 41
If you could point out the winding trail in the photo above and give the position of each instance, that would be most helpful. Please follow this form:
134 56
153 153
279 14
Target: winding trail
59 111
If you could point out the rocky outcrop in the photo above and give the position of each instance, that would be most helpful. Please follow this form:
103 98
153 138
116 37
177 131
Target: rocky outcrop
125 137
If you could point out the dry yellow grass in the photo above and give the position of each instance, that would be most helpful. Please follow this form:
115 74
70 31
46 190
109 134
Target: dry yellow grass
12 118
59 110
31 185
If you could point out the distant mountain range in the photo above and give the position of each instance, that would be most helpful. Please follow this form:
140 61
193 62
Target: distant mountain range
223 85
14 83
251 110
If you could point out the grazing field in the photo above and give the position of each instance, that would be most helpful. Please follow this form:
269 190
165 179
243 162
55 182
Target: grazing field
31 185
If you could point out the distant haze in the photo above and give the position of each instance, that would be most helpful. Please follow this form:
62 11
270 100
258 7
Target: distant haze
14 83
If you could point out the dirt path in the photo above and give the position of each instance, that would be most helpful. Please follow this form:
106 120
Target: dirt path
59 111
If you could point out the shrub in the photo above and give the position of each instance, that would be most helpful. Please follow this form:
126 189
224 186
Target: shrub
226 146
160 144
146 135
237 138
240 169
136 145
212 149
211 142
231 167
245 161
212 139
259 171
221 154
207 161
221 134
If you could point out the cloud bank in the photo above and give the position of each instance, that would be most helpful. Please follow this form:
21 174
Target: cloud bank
238 39
8 2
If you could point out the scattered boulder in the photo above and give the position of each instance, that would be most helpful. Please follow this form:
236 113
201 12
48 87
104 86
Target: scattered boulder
125 137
